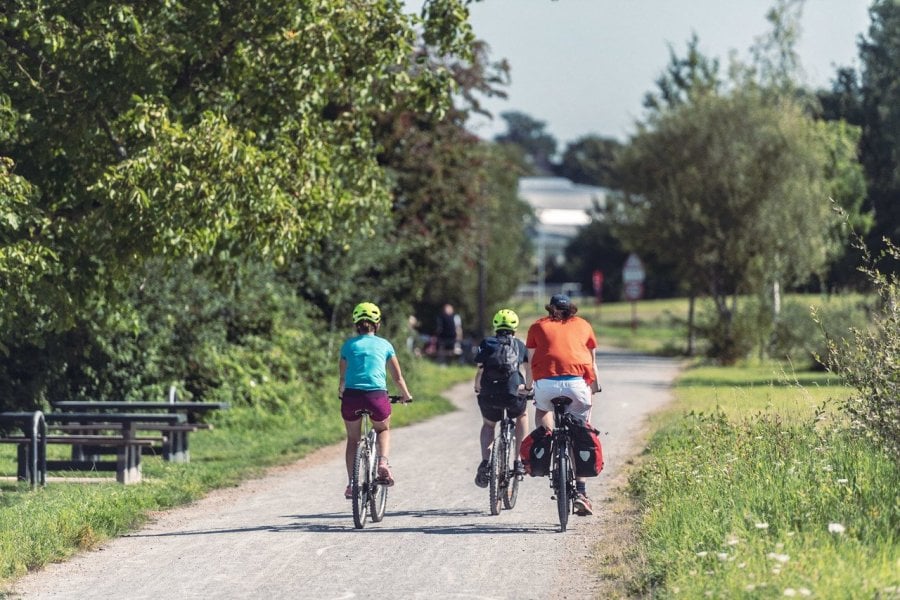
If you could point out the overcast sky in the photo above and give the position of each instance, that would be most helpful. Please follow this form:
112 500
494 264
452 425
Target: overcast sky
583 66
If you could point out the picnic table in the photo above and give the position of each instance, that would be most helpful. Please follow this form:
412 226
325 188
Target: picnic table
175 447
109 431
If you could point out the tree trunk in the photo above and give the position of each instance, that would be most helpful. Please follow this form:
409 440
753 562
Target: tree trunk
690 333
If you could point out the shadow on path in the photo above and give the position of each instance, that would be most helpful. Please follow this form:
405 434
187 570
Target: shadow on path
313 523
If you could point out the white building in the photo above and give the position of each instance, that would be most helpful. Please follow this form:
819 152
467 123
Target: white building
561 208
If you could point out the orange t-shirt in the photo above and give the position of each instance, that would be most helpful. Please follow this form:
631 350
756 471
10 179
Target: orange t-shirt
562 348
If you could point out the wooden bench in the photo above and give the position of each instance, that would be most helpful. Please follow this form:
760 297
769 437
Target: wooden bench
175 448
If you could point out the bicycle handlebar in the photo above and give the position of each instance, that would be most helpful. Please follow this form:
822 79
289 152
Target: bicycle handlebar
399 400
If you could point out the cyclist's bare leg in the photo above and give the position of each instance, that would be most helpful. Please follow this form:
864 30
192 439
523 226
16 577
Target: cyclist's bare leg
521 431
543 417
487 437
383 441
354 429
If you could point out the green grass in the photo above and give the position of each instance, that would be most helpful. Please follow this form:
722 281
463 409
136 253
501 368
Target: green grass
50 524
661 324
742 483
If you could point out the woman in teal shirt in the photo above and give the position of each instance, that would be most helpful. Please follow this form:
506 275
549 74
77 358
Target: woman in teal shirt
365 361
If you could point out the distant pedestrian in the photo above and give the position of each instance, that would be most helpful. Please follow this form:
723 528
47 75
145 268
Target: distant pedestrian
449 334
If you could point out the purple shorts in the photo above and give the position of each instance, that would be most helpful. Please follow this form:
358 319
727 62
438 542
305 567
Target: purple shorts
376 401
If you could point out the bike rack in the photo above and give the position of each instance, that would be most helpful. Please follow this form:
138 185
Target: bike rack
36 466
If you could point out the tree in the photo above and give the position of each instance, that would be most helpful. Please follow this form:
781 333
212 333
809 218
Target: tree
454 198
739 184
211 128
590 160
529 135
684 79
880 86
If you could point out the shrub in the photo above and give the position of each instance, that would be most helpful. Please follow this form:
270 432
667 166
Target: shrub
799 334
869 361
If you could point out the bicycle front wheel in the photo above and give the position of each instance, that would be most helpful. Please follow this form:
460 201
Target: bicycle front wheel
361 485
498 468
511 480
561 474
377 499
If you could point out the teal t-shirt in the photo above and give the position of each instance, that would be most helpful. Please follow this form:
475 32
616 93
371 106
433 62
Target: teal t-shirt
366 356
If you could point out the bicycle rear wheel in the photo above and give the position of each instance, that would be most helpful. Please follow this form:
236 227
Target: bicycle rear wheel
561 475
497 472
511 483
361 484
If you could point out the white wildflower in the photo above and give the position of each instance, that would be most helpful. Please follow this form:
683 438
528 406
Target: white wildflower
749 587
790 592
702 553
836 528
805 592
782 558
742 565
762 525
723 556
843 480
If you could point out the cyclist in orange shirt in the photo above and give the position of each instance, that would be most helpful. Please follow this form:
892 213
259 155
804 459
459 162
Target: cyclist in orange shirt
561 353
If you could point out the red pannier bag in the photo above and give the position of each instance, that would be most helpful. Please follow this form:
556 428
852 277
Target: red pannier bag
535 452
588 452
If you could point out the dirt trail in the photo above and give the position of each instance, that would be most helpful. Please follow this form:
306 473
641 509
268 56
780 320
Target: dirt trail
290 534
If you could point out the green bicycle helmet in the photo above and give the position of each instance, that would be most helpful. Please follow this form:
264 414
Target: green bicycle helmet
506 319
366 311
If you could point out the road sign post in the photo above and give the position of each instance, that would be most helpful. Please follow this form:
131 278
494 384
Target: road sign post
633 277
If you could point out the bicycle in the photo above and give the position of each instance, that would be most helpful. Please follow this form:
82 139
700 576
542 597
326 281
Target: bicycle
562 465
504 486
369 496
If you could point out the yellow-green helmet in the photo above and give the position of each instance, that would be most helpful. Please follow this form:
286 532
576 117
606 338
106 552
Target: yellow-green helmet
506 319
366 311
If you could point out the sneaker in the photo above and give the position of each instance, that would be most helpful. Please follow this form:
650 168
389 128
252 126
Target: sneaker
384 476
483 475
348 493
519 468
582 505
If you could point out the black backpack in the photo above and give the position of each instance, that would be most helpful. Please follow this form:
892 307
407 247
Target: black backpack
499 357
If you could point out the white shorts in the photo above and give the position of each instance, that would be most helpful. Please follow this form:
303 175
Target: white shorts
576 389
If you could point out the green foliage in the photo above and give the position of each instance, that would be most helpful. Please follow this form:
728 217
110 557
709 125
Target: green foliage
869 360
214 338
801 332
215 129
744 197
763 506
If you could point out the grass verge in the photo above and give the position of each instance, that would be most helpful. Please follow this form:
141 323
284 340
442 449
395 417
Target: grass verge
50 524
751 489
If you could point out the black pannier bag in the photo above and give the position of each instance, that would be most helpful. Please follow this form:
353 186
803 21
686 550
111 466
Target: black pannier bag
535 452
588 452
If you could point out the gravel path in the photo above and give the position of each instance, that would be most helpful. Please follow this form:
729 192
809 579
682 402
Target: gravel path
290 534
